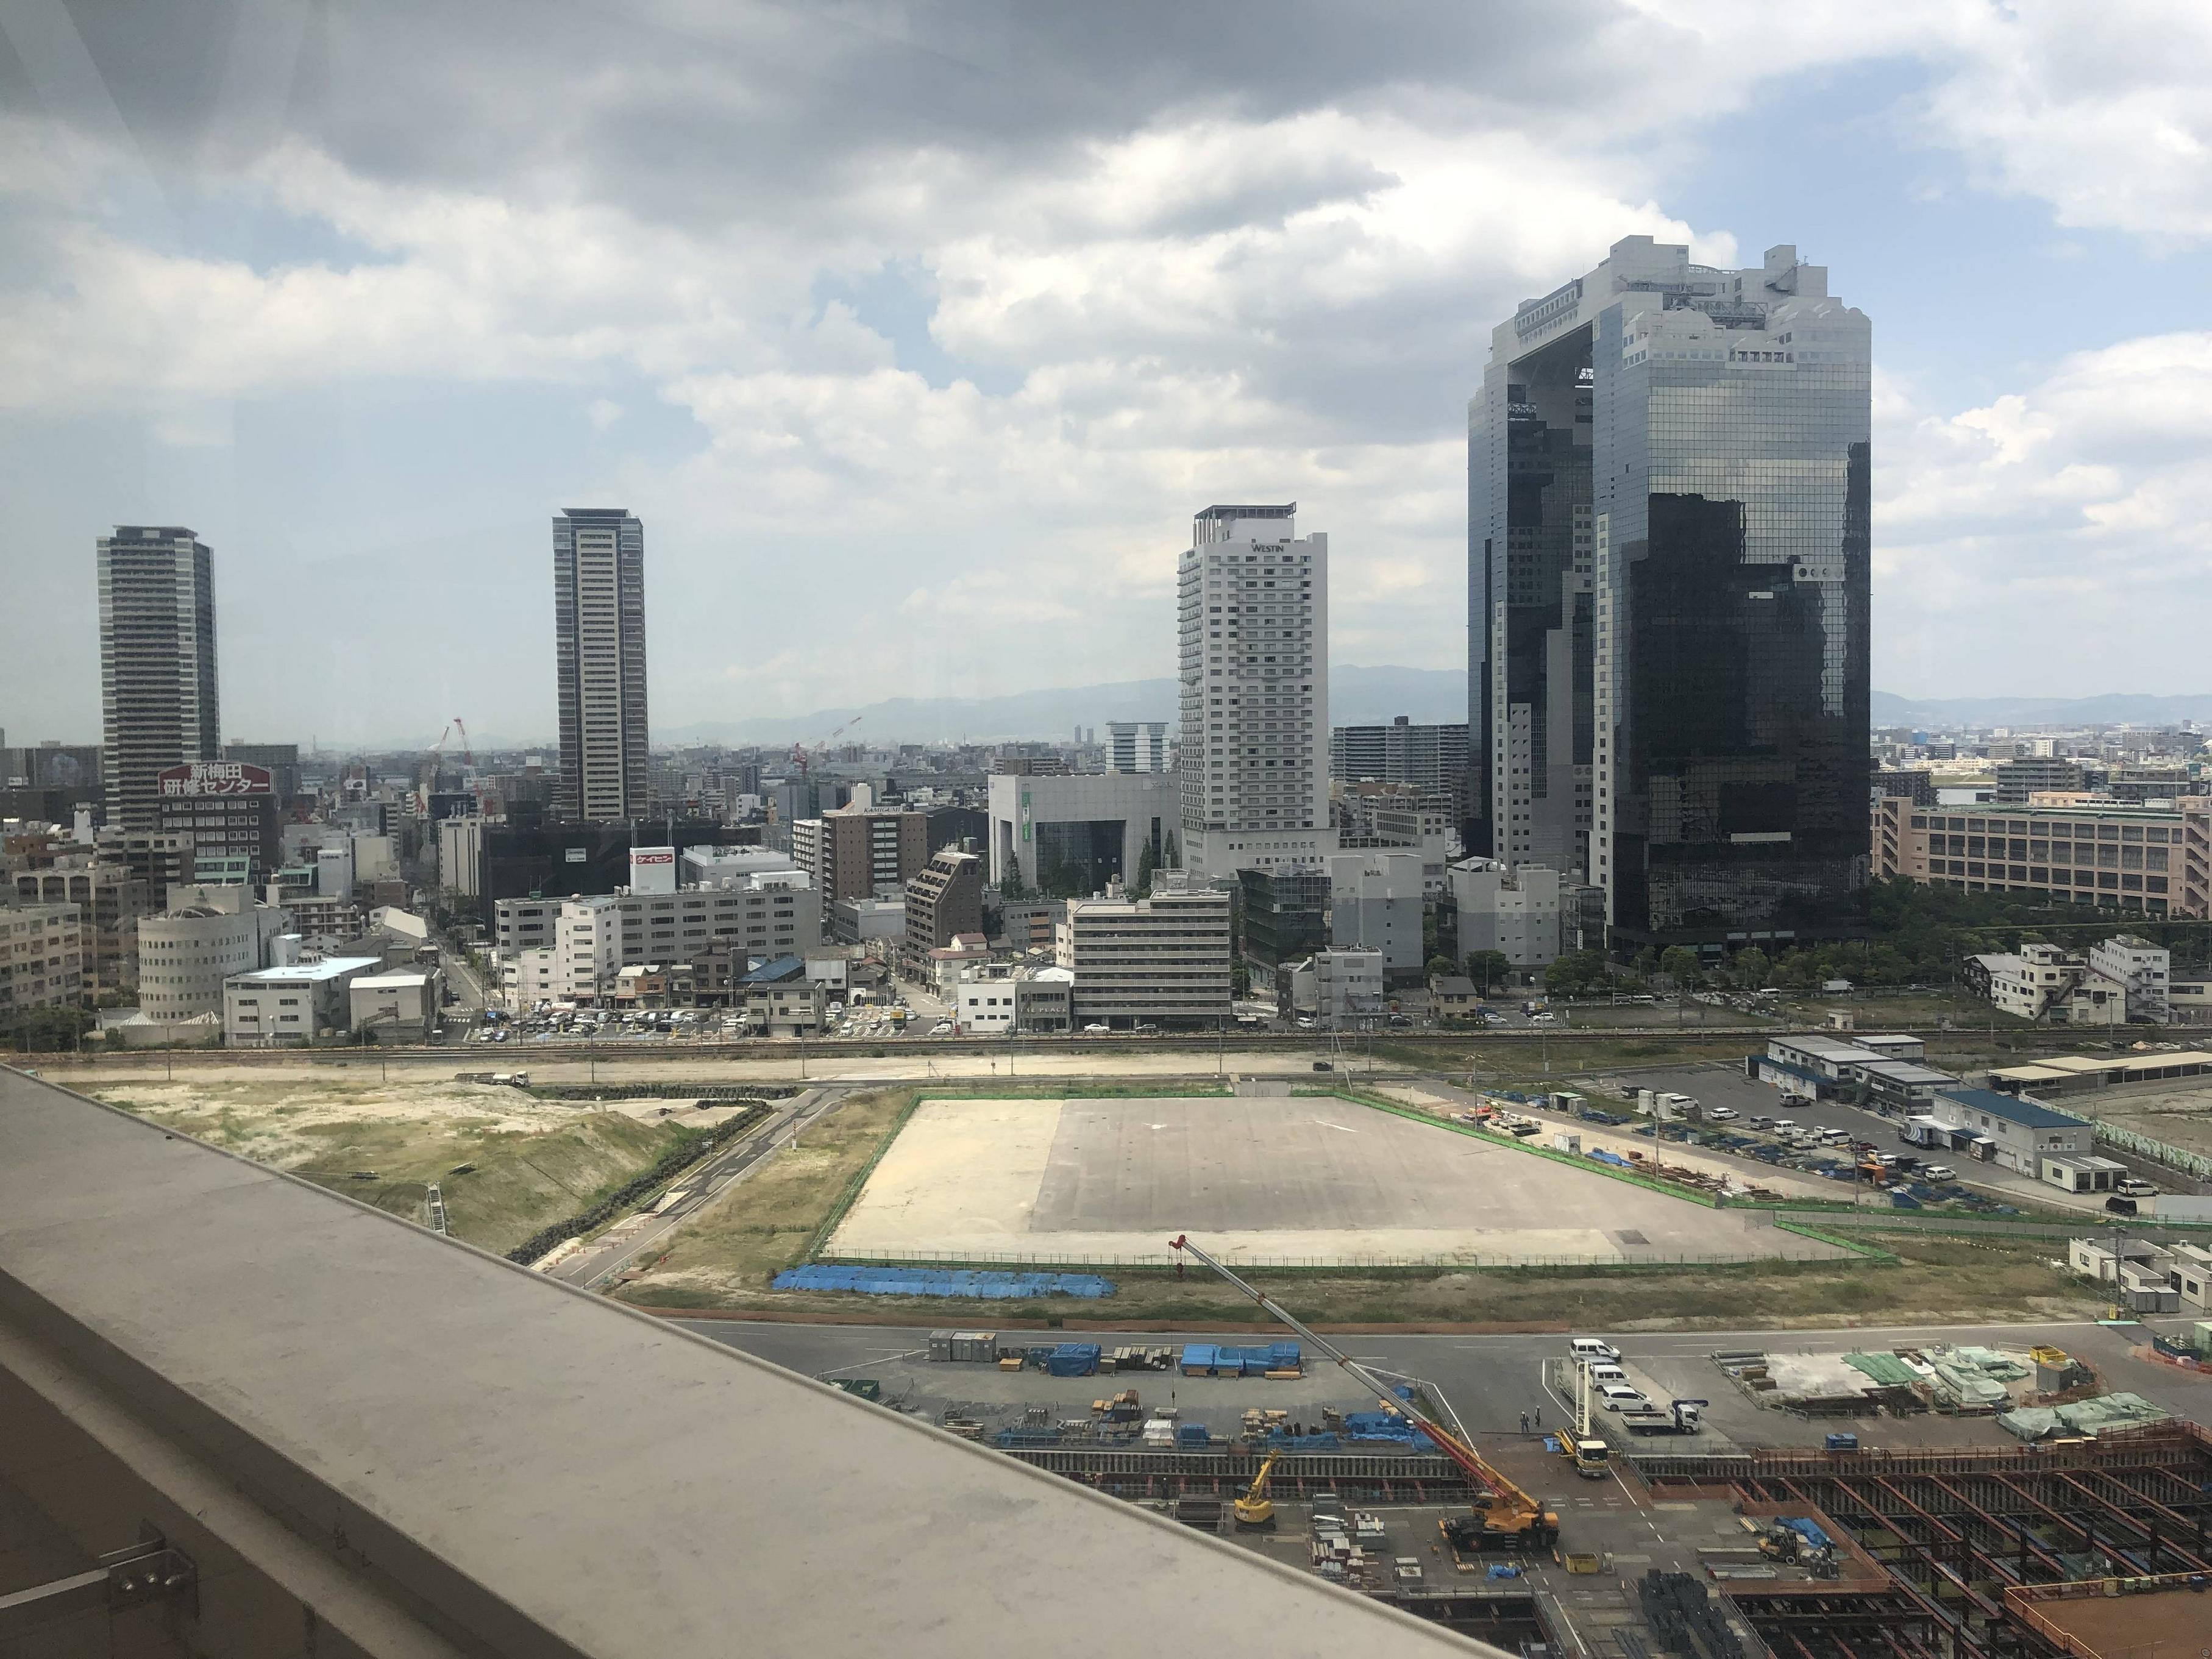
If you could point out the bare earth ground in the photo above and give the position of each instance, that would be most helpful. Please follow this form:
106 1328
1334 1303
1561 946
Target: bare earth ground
1304 1181
2179 1113
534 1162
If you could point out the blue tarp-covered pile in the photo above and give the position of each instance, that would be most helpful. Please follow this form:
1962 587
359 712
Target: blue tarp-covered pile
1810 1531
1386 1426
1276 1440
941 1281
1204 1358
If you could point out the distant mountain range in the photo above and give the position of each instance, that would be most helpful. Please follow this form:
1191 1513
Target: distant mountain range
2109 709
1357 697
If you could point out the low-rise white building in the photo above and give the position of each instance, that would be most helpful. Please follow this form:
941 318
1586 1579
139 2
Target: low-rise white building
586 940
2044 984
1336 986
301 1002
207 935
2143 971
1377 900
403 1006
997 999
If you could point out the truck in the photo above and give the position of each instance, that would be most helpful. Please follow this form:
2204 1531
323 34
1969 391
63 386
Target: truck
1680 1417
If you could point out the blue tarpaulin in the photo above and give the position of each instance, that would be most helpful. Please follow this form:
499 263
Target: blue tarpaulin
1810 1531
941 1281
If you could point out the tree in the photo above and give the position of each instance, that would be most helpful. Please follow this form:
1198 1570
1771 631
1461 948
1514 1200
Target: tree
1679 964
1488 967
1647 962
1439 967
1174 856
1147 865
1752 968
51 1029
1011 885
1575 974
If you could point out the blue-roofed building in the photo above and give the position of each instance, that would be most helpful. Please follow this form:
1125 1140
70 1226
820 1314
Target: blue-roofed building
2014 1135
776 970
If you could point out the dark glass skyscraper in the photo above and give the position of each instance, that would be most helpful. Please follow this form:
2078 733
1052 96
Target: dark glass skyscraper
1668 544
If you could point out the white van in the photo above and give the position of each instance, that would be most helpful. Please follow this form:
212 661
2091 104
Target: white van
1617 1396
1590 1347
1601 1374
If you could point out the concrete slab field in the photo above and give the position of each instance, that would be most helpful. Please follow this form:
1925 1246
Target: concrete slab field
1287 1180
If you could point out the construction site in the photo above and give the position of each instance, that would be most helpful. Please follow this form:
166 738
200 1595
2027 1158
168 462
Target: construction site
1993 1497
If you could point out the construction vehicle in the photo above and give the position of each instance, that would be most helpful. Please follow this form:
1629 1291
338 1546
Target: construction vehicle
1590 1456
1680 1417
1256 1508
1504 1515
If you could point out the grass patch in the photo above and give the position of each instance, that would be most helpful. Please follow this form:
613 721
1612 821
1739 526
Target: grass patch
523 1179
767 1223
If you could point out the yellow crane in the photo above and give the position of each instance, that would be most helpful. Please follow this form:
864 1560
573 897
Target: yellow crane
1504 1515
1256 1508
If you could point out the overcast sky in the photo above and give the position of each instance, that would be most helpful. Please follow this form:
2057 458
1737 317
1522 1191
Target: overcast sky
916 332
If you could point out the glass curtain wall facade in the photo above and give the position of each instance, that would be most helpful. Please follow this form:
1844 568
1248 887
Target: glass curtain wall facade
1667 580
1732 543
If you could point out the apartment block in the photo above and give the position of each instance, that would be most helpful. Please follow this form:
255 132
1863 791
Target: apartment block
860 852
1376 902
110 900
159 705
1523 912
587 941
2123 857
599 617
41 957
1430 759
944 901
1136 745
2046 985
1162 960
2145 970
1252 609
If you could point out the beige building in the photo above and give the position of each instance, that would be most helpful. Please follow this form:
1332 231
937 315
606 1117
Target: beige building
944 901
209 935
861 852
2152 860
41 957
110 899
1162 960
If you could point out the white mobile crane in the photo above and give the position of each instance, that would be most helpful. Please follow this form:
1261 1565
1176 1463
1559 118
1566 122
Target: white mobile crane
1505 1516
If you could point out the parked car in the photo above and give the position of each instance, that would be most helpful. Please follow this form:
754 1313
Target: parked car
1721 1113
1096 1029
2135 1187
1615 1396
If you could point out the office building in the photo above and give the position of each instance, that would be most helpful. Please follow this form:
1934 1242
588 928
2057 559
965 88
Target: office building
1252 599
207 936
41 957
2152 860
1668 478
1070 833
300 1002
861 852
110 901
1136 745
2018 780
2143 971
1912 784
1285 912
400 1006
280 760
1376 902
1162 960
1524 913
69 772
572 949
1432 759
598 619
944 901
225 812
157 664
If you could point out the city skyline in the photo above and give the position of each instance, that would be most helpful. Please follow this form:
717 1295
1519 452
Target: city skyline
977 412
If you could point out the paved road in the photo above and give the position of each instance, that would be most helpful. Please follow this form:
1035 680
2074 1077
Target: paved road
706 1187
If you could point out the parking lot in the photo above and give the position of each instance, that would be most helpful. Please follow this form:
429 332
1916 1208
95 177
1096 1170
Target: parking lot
1724 1084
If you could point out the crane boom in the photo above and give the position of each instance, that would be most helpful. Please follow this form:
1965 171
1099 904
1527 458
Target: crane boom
1470 1461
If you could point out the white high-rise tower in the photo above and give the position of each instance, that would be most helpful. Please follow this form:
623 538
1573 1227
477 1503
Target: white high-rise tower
157 679
1253 598
598 615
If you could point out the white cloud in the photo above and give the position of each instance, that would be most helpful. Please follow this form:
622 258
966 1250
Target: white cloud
2017 542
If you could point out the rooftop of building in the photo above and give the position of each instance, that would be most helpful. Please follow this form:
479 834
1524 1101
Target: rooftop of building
776 970
491 1492
400 982
2025 1112
306 973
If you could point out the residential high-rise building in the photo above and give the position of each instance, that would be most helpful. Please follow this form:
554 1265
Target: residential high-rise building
861 852
157 665
1432 758
1669 483
598 620
1253 611
944 901
1136 745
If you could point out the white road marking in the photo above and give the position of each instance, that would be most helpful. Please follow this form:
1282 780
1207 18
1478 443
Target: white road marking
1326 1124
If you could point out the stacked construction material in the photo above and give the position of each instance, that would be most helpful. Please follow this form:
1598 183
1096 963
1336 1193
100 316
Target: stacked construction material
1386 1428
1224 1359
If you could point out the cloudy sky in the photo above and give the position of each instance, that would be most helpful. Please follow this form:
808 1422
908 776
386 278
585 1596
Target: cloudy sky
916 332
